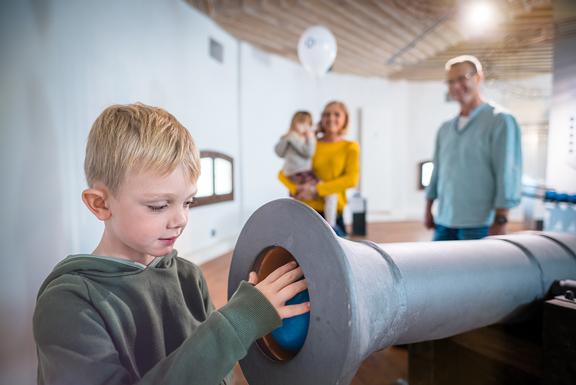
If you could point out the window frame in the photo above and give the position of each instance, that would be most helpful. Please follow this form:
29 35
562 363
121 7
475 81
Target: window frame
216 198
420 173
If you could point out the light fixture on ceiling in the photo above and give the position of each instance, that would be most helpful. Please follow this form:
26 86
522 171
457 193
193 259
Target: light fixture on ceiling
479 17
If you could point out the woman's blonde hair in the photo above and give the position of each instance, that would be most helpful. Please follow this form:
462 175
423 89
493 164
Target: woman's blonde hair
340 105
298 117
137 137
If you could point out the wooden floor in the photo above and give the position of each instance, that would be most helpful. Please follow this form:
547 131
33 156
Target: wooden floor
387 367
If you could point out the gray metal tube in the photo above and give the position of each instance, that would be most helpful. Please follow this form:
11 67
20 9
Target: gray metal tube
365 297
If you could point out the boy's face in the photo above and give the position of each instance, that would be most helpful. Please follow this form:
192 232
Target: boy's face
148 214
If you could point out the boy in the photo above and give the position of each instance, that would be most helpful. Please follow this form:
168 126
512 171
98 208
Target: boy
133 312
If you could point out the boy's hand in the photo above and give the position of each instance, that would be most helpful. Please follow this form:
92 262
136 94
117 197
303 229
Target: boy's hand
281 285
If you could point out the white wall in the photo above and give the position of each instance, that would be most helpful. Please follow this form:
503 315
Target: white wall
396 137
561 161
561 165
530 101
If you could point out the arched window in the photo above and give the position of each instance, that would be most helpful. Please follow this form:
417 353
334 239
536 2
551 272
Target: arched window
216 182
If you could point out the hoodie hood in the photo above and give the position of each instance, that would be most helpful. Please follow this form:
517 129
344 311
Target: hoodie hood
90 265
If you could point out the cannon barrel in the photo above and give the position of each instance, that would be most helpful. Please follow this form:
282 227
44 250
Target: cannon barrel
365 296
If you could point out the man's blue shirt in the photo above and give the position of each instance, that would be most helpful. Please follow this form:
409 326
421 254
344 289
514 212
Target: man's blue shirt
477 168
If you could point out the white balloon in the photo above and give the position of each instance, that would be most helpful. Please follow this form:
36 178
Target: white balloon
317 50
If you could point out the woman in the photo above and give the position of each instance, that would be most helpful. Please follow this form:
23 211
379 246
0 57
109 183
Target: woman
336 164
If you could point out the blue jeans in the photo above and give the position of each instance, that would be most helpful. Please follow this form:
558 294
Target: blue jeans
443 233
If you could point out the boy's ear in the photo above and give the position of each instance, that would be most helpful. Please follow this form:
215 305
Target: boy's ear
96 199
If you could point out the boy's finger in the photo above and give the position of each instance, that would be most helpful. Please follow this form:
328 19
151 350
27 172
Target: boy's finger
253 278
293 289
273 276
294 310
287 278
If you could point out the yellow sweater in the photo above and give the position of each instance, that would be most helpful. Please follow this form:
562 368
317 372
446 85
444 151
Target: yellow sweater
337 165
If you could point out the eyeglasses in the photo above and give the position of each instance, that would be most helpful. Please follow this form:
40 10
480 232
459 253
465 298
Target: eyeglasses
460 79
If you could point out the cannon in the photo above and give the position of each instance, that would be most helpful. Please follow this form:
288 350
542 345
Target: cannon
365 296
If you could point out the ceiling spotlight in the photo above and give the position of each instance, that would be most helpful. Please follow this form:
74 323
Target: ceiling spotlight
479 17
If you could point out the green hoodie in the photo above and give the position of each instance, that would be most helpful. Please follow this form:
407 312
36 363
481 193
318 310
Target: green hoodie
102 320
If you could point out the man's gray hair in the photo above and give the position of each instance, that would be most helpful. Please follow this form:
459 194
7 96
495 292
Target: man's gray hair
472 60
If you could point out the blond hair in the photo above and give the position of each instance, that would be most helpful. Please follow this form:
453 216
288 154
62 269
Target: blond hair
340 105
298 117
137 137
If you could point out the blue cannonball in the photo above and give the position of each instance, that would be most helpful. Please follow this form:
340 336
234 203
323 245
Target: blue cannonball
292 334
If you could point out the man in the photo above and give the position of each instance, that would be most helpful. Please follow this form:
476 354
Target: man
477 162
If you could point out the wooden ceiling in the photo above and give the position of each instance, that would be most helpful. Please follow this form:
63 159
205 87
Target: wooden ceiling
397 39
